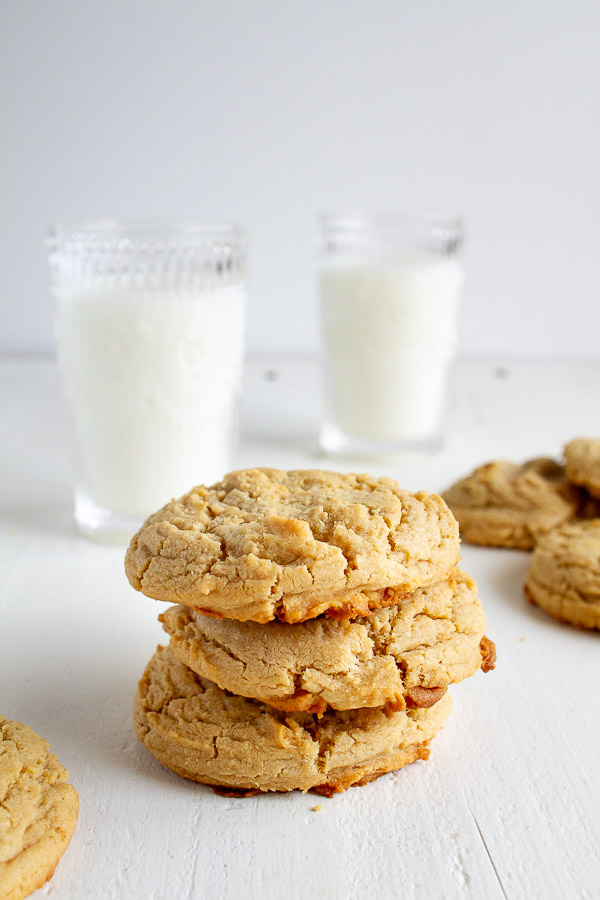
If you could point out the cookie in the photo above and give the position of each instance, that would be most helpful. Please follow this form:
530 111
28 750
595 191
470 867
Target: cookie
265 544
582 459
209 735
38 810
502 504
401 655
564 575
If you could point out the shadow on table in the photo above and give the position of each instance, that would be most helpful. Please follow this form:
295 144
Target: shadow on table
87 717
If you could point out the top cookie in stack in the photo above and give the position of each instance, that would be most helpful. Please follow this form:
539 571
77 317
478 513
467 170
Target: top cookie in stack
266 544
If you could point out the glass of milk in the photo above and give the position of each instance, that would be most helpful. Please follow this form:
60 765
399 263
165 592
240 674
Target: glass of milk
150 335
389 289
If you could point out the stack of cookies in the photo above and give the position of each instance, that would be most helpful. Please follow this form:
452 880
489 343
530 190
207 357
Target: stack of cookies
320 618
550 507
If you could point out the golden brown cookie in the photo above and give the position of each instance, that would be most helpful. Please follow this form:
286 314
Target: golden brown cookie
502 504
404 654
564 575
582 459
265 544
209 735
38 810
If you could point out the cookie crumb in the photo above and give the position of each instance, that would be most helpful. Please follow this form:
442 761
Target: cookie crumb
316 808
522 639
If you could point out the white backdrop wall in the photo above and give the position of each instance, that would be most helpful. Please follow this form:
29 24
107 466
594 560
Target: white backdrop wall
269 111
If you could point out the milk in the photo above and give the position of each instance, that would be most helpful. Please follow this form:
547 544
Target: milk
151 376
389 334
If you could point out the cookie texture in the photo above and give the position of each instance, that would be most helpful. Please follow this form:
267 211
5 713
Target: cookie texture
403 654
564 575
502 504
38 810
265 544
582 459
209 735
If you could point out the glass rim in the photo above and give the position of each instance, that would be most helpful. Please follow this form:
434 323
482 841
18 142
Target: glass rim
154 228
365 218
124 251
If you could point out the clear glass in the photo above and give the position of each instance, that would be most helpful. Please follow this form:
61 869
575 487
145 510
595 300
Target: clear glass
389 289
150 323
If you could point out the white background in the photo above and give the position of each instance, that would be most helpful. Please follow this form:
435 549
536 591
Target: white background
269 111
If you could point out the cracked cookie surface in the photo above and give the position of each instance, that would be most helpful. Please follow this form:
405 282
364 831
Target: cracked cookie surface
582 459
209 735
38 810
564 575
399 655
265 544
502 504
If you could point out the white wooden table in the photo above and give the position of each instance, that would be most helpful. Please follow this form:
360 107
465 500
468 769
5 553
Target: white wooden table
508 804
